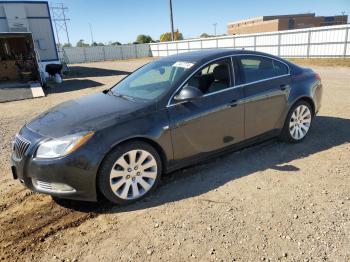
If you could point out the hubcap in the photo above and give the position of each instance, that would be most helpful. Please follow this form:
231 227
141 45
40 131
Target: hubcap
133 174
300 122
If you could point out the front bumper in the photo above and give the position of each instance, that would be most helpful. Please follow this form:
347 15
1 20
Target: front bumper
72 176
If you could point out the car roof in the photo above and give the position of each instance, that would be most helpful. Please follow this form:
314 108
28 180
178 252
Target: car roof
210 54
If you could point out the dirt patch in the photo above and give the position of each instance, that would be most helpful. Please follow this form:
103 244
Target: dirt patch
341 62
273 201
27 225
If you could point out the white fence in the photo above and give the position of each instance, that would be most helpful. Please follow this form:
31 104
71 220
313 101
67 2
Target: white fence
74 55
330 41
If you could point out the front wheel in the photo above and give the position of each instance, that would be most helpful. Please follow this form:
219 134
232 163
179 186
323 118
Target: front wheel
298 122
129 172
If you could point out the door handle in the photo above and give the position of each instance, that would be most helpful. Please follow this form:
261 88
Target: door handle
283 87
233 103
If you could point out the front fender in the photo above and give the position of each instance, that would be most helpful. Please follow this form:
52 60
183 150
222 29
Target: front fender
152 127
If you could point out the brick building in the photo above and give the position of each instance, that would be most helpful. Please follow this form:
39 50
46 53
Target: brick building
283 22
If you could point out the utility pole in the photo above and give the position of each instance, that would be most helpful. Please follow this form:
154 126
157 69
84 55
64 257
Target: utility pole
171 20
92 36
343 18
59 18
215 24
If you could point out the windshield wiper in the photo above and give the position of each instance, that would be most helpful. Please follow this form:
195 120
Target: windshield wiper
122 96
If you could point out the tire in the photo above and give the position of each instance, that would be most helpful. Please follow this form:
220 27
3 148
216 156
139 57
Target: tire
129 173
298 122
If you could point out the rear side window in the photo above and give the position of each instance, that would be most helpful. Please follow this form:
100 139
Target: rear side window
280 68
256 68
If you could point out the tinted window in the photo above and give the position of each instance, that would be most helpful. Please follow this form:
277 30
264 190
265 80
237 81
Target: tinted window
255 68
280 68
213 77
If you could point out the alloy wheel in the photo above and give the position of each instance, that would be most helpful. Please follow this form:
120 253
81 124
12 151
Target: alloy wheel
300 122
133 174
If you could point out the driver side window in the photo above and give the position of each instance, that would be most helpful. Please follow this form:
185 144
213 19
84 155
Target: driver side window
213 77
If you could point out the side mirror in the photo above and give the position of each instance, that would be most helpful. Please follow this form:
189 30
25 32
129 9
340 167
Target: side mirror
188 93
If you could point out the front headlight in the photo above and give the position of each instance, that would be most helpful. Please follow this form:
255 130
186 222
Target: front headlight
62 146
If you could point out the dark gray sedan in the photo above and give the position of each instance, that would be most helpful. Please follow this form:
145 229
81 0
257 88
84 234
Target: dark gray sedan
166 115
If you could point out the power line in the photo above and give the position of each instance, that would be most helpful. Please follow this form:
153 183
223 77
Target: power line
60 19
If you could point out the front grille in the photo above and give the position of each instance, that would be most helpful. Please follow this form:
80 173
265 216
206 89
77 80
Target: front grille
20 146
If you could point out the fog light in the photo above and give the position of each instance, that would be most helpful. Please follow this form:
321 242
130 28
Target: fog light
52 187
61 187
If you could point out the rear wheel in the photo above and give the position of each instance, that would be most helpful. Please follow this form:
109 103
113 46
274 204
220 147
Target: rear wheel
130 172
298 122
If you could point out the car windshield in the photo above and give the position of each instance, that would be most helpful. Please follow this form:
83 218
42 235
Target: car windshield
152 80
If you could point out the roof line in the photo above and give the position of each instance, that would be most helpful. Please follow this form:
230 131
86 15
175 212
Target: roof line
270 16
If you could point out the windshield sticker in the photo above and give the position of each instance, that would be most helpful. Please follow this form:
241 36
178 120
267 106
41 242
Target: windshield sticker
185 65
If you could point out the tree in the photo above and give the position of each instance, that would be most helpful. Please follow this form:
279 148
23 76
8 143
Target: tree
143 39
205 35
67 45
81 43
97 44
116 43
167 36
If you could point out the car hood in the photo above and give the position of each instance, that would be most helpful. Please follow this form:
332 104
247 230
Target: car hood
92 112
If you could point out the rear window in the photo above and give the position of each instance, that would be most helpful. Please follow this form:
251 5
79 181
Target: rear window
256 68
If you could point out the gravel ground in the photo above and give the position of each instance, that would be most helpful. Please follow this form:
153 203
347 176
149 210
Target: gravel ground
273 201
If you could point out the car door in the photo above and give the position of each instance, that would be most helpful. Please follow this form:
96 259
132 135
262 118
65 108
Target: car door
266 85
214 120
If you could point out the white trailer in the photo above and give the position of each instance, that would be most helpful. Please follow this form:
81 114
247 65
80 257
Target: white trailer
30 23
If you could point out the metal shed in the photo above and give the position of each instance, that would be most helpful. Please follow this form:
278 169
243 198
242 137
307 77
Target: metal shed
27 17
34 17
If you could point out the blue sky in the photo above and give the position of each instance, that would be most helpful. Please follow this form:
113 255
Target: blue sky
123 20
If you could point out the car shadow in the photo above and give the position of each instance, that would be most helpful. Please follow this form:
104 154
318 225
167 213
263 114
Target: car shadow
327 132
84 71
77 78
71 85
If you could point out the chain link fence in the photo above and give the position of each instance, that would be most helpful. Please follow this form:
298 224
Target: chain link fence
73 55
